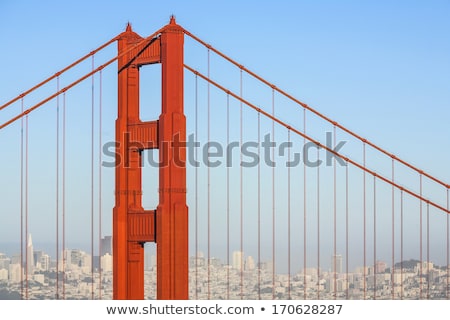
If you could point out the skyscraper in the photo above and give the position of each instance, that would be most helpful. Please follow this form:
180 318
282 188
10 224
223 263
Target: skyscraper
30 255
336 262
237 259
106 245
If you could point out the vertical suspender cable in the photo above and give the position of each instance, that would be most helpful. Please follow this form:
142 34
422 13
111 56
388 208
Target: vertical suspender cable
346 231
448 245
228 200
196 189
57 190
259 206
318 224
364 222
63 194
393 231
21 201
374 237
304 209
241 183
26 204
420 243
209 181
428 250
289 214
273 199
335 219
100 117
92 181
401 244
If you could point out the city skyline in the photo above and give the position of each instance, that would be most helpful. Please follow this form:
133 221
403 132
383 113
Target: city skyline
238 283
237 258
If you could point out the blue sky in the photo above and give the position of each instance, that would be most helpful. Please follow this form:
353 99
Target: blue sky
381 68
362 63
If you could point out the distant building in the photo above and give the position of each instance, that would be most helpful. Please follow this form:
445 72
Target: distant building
37 258
106 245
4 261
238 257
3 274
380 266
30 255
336 262
250 263
107 263
44 262
15 273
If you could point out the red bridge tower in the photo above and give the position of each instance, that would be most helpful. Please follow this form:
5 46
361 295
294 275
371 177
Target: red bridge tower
168 224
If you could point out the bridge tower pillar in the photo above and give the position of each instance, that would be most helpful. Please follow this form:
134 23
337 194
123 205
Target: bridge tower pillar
168 224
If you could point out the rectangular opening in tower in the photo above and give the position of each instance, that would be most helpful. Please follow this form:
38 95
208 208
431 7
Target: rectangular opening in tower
150 92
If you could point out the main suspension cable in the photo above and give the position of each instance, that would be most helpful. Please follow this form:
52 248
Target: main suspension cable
57 74
314 111
319 144
89 74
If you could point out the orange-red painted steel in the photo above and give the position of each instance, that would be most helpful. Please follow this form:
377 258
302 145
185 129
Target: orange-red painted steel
168 224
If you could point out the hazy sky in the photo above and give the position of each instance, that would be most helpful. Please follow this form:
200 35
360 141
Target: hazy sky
380 68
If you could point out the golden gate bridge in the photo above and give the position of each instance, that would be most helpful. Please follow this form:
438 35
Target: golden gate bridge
236 165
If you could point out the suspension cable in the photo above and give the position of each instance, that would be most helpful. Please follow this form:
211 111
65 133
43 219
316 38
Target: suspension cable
393 231
401 244
64 195
196 190
318 225
364 224
428 251
346 230
92 176
289 214
420 241
21 199
241 184
318 143
100 141
304 211
228 200
26 204
259 205
273 198
89 74
57 190
448 245
374 237
209 177
57 74
314 111
334 218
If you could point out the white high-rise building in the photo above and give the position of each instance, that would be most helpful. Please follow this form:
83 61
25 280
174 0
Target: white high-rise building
45 262
238 257
15 272
30 255
4 261
3 274
107 263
